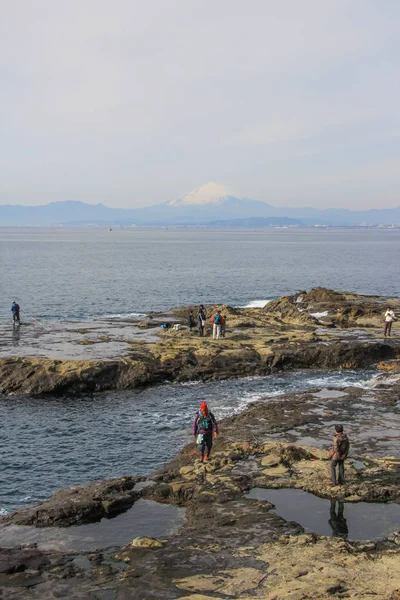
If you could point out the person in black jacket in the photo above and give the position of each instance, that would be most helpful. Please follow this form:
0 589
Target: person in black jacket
201 319
190 321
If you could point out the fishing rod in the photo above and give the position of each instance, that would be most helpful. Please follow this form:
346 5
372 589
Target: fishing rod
39 323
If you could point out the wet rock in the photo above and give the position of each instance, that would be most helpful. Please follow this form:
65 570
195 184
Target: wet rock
79 504
392 366
284 335
291 454
146 542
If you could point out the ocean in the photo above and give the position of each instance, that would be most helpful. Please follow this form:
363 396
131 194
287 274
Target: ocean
85 273
61 274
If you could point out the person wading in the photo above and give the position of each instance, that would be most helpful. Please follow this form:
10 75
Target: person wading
201 320
338 455
205 428
389 318
15 308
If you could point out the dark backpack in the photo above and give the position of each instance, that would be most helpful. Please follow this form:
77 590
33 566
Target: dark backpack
344 447
217 319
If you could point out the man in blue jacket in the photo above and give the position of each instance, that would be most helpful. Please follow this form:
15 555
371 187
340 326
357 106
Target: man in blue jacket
15 312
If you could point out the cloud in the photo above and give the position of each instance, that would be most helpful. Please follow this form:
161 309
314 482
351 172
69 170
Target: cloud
133 103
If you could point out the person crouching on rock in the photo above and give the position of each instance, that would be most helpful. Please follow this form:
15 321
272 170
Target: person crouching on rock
338 455
205 427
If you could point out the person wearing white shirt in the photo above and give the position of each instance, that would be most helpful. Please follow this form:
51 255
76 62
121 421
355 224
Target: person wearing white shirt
389 318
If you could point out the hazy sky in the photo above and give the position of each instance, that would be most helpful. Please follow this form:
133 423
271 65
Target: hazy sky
136 102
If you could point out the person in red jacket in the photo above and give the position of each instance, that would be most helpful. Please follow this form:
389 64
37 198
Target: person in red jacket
205 428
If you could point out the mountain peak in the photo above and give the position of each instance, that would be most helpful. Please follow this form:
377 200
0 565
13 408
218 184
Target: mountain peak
209 193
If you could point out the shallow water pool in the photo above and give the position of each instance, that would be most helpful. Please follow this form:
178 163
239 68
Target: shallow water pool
145 518
353 521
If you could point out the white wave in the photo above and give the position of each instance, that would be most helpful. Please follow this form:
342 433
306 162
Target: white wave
122 315
341 381
3 512
319 315
255 304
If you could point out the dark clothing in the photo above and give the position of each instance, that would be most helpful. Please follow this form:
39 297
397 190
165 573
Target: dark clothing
15 311
337 521
223 326
190 322
340 464
388 328
206 444
198 424
204 427
201 318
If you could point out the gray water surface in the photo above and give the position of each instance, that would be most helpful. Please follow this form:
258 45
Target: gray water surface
81 273
145 518
353 521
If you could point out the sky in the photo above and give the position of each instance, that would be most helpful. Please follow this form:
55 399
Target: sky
133 103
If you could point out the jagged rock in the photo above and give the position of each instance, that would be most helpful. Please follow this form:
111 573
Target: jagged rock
80 504
283 335
146 542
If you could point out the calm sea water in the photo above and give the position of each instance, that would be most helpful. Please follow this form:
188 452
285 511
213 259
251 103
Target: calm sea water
65 273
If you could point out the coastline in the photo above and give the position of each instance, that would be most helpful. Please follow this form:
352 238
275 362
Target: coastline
231 544
318 329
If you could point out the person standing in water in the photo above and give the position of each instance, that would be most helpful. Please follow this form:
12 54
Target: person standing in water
15 308
201 320
389 318
338 455
205 428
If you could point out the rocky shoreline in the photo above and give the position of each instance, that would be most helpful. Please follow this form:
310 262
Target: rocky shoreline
320 329
230 546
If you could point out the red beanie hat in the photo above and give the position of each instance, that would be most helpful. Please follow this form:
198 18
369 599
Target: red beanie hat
203 406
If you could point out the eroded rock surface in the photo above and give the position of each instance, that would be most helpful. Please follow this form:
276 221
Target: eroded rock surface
80 504
231 546
319 329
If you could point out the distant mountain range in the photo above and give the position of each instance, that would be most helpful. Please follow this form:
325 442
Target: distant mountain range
209 205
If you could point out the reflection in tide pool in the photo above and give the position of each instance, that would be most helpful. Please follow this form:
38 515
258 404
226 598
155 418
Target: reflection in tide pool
350 520
145 518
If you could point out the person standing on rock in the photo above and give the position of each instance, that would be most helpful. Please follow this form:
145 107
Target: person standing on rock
338 455
205 428
15 308
223 325
190 321
216 320
201 320
389 318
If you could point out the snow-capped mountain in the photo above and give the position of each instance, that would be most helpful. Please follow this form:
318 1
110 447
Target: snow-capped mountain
209 193
211 203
